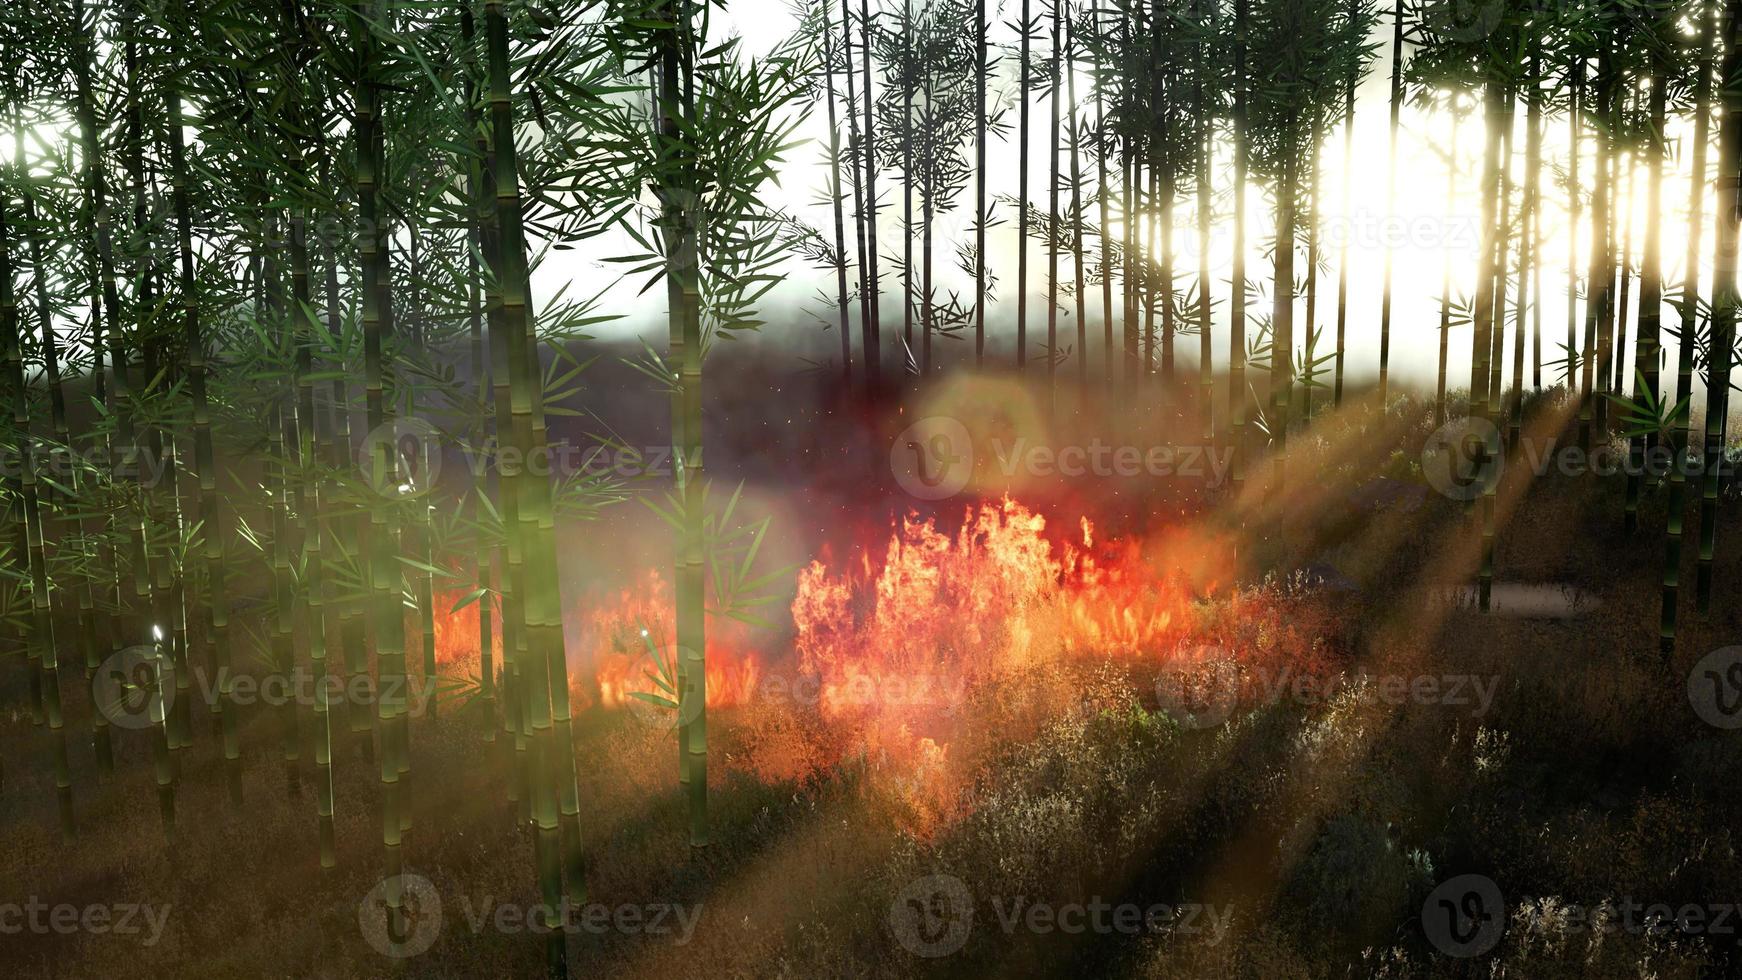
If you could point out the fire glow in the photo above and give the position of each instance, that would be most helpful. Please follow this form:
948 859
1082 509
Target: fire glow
889 644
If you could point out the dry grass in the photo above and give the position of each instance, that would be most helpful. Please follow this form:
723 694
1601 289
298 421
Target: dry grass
1316 827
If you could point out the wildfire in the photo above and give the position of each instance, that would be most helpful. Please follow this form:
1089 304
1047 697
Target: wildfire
996 595
891 643
631 639
628 638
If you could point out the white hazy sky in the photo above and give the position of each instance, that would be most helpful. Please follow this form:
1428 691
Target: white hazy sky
1425 228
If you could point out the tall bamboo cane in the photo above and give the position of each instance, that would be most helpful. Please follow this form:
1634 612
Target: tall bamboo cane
980 73
683 293
1647 342
873 353
386 616
1724 299
1052 244
835 198
127 400
1022 85
479 197
1446 266
1237 302
41 639
1391 198
1343 258
1690 292
1077 125
555 798
1103 197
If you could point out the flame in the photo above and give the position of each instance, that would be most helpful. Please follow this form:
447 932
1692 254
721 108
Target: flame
996 595
929 647
939 610
616 630
958 643
890 643
630 639
456 631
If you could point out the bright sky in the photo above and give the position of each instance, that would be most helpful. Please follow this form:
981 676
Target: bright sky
1426 231
1424 227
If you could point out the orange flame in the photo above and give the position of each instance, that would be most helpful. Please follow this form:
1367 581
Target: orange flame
617 630
997 594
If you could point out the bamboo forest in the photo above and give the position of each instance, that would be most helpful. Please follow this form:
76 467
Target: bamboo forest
870 488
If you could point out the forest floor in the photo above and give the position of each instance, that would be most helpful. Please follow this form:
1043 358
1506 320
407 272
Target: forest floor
1375 740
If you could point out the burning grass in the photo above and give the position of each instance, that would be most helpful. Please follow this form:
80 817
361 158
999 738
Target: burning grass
937 649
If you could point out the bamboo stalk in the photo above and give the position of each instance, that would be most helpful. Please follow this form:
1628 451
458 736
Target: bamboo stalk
479 195
1237 301
41 639
386 620
1391 200
1077 125
835 198
1690 292
101 261
552 747
1052 238
1724 298
981 71
1647 340
1025 26
873 283
127 400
